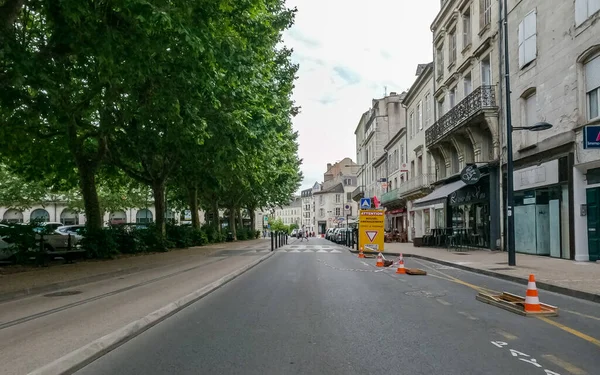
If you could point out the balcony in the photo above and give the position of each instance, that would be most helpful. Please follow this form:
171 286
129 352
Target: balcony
482 98
358 193
409 187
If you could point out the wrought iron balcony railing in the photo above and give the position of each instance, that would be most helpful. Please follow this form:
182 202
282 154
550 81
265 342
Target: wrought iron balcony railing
484 97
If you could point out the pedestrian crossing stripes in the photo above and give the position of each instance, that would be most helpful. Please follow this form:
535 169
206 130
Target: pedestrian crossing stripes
309 249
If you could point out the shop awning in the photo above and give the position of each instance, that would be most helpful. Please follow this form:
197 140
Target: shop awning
439 195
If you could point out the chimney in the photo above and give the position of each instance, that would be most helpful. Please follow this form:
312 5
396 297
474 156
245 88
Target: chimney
328 166
393 93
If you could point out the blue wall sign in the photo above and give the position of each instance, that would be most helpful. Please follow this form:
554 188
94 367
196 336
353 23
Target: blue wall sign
591 136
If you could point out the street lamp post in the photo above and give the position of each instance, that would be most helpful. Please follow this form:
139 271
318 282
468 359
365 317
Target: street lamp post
510 199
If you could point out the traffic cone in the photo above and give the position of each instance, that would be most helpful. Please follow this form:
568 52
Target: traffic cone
379 260
360 253
532 300
401 268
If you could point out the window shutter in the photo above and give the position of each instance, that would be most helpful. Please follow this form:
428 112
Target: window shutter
580 11
481 14
530 37
521 44
592 74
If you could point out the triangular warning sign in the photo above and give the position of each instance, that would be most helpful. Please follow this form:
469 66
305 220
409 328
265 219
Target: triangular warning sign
371 234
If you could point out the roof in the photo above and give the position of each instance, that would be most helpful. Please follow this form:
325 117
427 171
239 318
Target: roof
337 188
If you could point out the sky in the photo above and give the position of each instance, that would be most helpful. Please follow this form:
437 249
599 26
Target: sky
349 53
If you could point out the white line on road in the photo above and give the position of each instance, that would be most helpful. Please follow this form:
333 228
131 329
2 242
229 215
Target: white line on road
365 263
446 303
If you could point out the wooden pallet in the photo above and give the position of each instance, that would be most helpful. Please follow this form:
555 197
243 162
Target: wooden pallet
415 271
515 304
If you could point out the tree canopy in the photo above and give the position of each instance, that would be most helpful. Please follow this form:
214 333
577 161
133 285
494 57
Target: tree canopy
192 97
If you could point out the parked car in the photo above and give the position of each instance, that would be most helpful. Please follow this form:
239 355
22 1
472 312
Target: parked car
6 245
342 234
329 234
294 233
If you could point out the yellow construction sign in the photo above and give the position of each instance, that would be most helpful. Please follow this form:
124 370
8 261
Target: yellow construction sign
371 226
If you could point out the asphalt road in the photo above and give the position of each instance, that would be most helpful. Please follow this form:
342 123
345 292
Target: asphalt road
309 312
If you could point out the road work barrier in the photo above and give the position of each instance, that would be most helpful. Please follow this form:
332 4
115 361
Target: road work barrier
528 306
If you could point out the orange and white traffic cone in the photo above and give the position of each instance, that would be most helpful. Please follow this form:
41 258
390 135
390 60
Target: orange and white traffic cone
379 260
532 300
360 253
401 268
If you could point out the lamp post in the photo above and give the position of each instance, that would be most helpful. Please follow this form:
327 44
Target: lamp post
510 199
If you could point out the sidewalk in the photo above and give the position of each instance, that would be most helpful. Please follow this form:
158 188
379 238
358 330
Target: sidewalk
21 281
577 279
69 327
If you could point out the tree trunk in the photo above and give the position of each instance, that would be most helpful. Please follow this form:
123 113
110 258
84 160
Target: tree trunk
193 196
252 220
158 190
239 218
91 204
216 220
232 223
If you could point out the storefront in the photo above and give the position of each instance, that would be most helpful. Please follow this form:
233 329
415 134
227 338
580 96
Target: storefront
395 220
470 211
541 209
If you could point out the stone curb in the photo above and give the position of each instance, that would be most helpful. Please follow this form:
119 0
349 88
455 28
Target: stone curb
23 293
516 279
83 356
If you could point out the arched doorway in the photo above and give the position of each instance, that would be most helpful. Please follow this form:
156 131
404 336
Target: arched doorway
117 217
143 216
13 216
40 215
69 217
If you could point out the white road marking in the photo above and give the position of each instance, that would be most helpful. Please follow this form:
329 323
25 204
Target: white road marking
365 263
335 251
446 303
322 251
527 359
294 251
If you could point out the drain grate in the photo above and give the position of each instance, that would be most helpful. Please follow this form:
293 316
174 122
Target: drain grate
63 293
500 269
461 253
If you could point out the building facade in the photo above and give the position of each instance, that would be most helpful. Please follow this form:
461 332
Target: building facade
60 211
554 52
333 204
466 131
373 132
290 214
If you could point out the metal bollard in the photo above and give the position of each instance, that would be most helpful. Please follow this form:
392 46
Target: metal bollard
272 242
286 238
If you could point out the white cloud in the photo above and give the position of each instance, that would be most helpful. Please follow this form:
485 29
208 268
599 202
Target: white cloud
348 52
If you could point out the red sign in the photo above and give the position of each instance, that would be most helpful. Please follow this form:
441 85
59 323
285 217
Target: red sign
396 211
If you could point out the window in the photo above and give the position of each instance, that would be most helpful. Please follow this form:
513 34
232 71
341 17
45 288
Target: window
411 123
486 71
485 13
452 48
420 116
412 169
440 61
427 110
338 198
338 211
440 107
530 110
584 9
592 87
401 154
467 85
321 212
321 200
466 28
452 97
527 39
348 197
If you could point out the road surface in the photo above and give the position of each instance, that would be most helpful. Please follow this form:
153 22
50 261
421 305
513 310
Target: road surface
314 308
